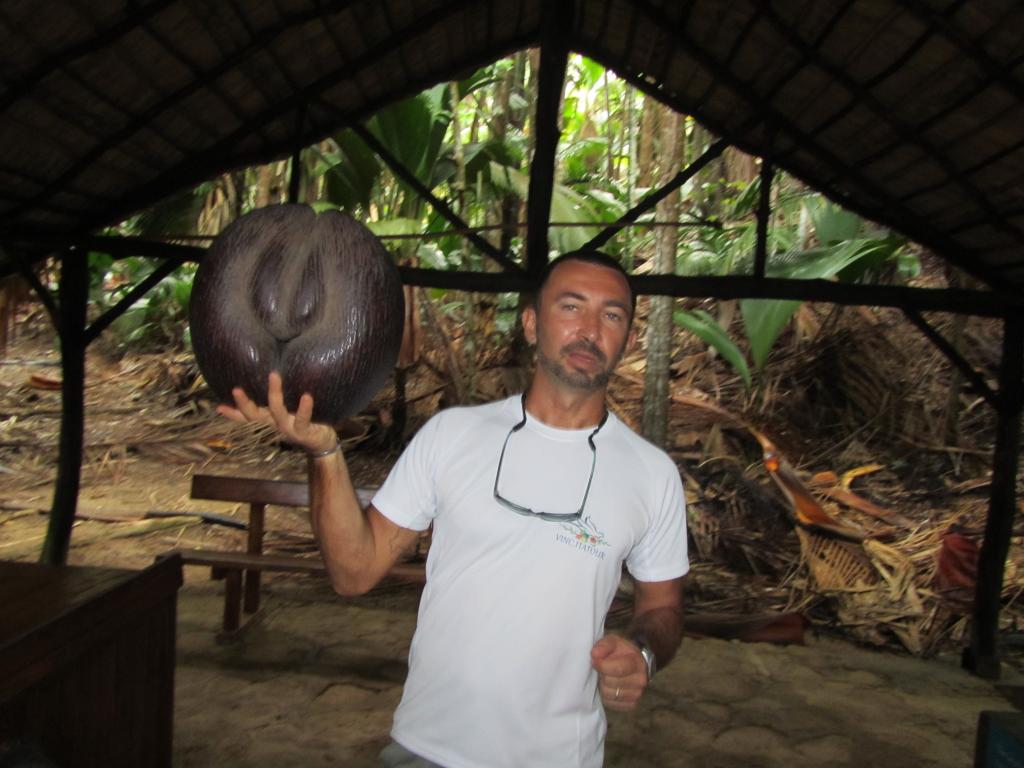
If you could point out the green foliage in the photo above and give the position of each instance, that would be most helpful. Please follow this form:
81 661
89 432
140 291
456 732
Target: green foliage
351 171
158 319
567 205
706 328
765 319
846 250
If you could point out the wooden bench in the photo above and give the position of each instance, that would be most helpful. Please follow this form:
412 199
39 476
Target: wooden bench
241 570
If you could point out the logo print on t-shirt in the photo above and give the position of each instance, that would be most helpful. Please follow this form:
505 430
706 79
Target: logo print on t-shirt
584 536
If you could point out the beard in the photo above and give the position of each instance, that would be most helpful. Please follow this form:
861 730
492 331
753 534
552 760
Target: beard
589 382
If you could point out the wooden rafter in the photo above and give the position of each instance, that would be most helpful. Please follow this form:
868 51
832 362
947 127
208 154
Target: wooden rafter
438 204
62 59
655 197
995 71
198 167
951 354
137 292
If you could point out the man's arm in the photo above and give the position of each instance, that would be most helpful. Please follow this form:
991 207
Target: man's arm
657 622
358 547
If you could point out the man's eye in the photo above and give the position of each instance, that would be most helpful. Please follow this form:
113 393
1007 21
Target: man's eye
614 316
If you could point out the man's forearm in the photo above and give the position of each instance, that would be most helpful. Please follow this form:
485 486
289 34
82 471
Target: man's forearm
661 628
342 530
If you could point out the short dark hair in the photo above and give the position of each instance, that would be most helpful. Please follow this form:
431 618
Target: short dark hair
599 258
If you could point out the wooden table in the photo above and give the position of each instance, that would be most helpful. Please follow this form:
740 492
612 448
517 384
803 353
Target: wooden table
87 662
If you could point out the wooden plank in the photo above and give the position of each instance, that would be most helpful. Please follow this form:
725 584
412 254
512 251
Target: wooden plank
252 577
245 561
290 493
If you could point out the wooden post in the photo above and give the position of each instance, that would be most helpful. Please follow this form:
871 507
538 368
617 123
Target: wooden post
981 656
554 57
74 292
764 209
252 577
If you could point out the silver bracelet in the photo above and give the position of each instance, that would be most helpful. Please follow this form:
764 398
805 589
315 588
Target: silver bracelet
328 452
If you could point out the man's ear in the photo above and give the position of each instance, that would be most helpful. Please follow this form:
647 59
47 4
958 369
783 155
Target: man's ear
530 323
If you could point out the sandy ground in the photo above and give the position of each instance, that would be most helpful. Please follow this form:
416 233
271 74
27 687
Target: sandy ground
314 680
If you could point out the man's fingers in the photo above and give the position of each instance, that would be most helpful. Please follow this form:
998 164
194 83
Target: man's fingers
231 413
275 399
618 666
247 407
603 648
304 413
621 695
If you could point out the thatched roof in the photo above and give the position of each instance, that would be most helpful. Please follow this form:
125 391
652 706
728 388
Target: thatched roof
909 112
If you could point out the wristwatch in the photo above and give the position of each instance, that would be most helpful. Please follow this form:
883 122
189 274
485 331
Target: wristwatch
649 658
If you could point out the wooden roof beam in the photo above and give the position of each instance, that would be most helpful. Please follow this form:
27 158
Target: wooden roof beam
137 292
64 58
951 353
955 300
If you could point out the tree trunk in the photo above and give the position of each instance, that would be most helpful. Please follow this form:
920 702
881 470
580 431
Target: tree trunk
74 292
649 112
264 184
460 156
659 320
609 128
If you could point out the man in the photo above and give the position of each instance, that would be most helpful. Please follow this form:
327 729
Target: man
536 501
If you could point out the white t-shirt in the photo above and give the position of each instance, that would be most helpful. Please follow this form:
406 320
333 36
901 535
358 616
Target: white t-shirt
499 667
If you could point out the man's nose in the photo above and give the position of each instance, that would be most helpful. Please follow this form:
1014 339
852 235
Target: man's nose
590 325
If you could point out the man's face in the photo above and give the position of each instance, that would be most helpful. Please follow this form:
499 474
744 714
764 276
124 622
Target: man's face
580 324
